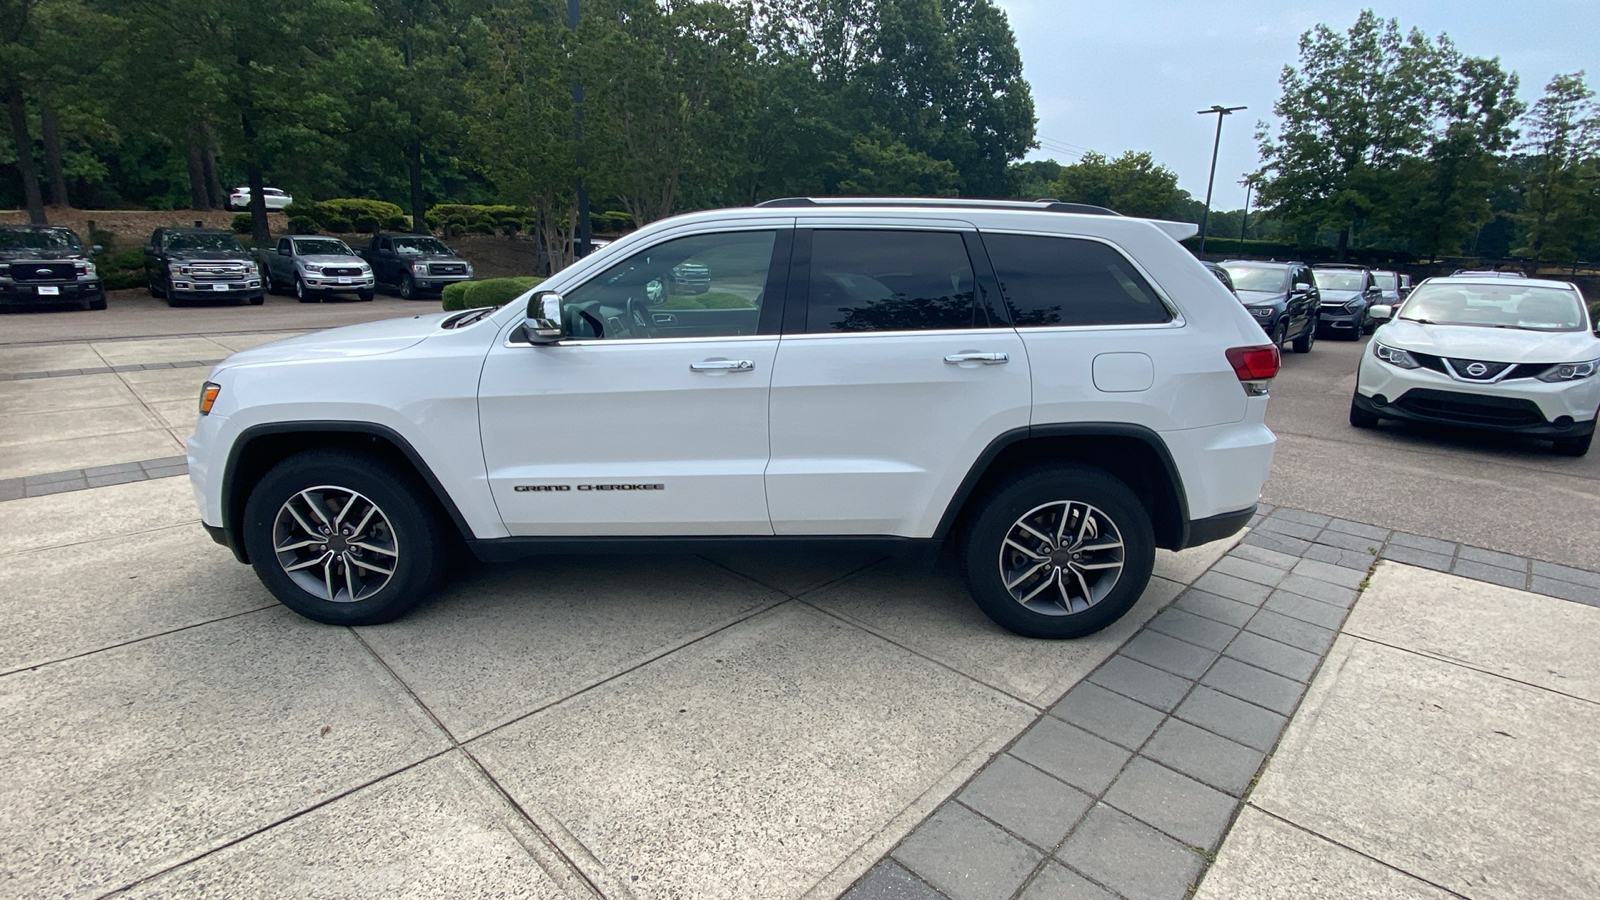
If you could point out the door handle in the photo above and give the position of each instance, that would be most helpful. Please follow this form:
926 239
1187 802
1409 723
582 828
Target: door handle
723 365
988 359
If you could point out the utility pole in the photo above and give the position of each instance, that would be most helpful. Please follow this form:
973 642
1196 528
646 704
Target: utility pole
583 237
1219 111
1249 182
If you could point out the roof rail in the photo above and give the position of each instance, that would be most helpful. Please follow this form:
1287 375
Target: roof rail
1046 205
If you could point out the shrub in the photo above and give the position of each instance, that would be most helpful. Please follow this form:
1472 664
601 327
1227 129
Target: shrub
397 223
489 292
366 224
336 224
709 300
241 223
105 239
351 209
481 228
302 225
121 270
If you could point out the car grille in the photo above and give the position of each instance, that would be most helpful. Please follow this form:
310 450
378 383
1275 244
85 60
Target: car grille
1491 369
1470 409
348 271
219 271
43 271
446 269
1477 369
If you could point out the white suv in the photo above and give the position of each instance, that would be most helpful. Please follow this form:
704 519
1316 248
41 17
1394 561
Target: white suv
1054 390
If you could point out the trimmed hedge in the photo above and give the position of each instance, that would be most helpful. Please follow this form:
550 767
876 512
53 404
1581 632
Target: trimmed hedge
709 300
489 292
121 270
241 223
344 216
302 225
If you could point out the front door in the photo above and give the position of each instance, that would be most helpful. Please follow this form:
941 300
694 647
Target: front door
652 418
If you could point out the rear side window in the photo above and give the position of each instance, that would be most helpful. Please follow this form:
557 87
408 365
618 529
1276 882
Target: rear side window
1071 281
890 281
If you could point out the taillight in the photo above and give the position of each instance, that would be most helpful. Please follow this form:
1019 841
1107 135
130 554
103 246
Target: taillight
1255 366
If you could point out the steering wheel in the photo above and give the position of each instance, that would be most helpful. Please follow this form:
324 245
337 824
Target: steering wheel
638 319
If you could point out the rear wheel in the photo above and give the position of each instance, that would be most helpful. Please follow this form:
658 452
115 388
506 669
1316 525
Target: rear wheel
1578 446
342 538
1059 553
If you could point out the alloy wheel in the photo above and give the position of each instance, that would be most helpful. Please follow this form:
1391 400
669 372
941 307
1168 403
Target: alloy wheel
335 544
1061 558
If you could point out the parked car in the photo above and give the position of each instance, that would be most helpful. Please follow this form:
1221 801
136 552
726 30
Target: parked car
1405 285
1346 292
42 265
1281 295
1389 284
1489 273
200 264
415 265
1222 276
239 200
939 388
690 278
1515 355
315 266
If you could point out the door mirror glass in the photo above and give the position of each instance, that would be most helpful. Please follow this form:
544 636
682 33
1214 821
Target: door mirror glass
543 325
1381 312
283 251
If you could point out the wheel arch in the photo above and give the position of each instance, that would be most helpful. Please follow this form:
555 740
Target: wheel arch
261 447
1133 454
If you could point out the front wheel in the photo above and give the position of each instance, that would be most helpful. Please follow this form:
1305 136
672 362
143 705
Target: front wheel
342 538
408 287
1302 344
1059 553
366 296
1578 446
303 293
1360 418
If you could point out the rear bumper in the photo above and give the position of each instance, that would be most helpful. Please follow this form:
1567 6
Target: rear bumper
1215 528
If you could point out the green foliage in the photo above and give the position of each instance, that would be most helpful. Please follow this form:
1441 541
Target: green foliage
352 209
1561 211
336 224
489 292
397 223
708 300
105 239
365 224
1132 184
119 271
460 218
872 168
302 225
241 223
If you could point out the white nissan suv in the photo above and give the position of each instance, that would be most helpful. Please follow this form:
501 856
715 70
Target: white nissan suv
1484 351
1052 390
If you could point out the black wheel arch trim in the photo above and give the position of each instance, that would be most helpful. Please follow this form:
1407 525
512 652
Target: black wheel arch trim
1146 436
233 508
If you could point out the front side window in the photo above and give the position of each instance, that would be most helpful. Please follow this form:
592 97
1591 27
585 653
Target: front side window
890 281
1071 281
322 247
707 285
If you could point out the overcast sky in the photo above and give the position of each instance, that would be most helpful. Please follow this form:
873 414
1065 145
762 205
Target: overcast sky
1116 75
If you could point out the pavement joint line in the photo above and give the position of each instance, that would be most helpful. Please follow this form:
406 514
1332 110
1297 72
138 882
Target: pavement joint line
1278 720
136 640
96 540
1464 664
1322 837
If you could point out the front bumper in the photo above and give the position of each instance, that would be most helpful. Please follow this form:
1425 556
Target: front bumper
338 283
1342 319
233 290
435 284
28 293
1518 406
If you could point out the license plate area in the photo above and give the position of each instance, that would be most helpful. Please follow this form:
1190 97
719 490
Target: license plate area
219 287
49 290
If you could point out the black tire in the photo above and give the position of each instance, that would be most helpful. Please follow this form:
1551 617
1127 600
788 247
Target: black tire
98 302
150 284
267 284
258 300
1054 494
366 296
1360 418
1282 334
1578 446
405 524
408 287
303 293
1303 343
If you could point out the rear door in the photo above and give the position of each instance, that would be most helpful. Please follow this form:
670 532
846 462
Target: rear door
893 375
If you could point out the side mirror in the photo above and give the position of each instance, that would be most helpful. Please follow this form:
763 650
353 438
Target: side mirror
544 319
1381 312
283 251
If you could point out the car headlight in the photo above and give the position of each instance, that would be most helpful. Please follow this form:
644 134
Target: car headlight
1571 371
85 269
313 270
1261 312
1395 356
419 268
1355 304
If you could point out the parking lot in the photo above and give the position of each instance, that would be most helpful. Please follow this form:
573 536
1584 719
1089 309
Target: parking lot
769 725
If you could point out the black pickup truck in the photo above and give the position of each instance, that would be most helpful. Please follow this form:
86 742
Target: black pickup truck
415 265
200 264
42 265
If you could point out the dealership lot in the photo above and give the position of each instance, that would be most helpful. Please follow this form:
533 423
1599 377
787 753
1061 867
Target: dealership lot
767 725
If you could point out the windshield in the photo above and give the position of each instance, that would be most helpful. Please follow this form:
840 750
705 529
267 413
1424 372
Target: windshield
322 247
1258 278
202 241
57 239
1533 308
1340 280
1389 281
419 245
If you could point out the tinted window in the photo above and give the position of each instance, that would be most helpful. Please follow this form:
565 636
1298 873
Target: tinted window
1069 281
890 281
708 285
1272 279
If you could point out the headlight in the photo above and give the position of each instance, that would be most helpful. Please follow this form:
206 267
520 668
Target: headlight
1261 312
1355 304
85 269
1571 371
1395 357
419 268
313 269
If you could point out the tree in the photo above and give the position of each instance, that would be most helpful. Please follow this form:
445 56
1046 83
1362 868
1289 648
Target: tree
1132 184
1357 106
1559 193
18 34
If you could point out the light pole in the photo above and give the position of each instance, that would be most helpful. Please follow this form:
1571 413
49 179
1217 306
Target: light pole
1219 111
582 242
1249 182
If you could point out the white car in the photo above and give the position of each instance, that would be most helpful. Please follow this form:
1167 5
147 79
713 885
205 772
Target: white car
1514 355
240 198
1052 394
